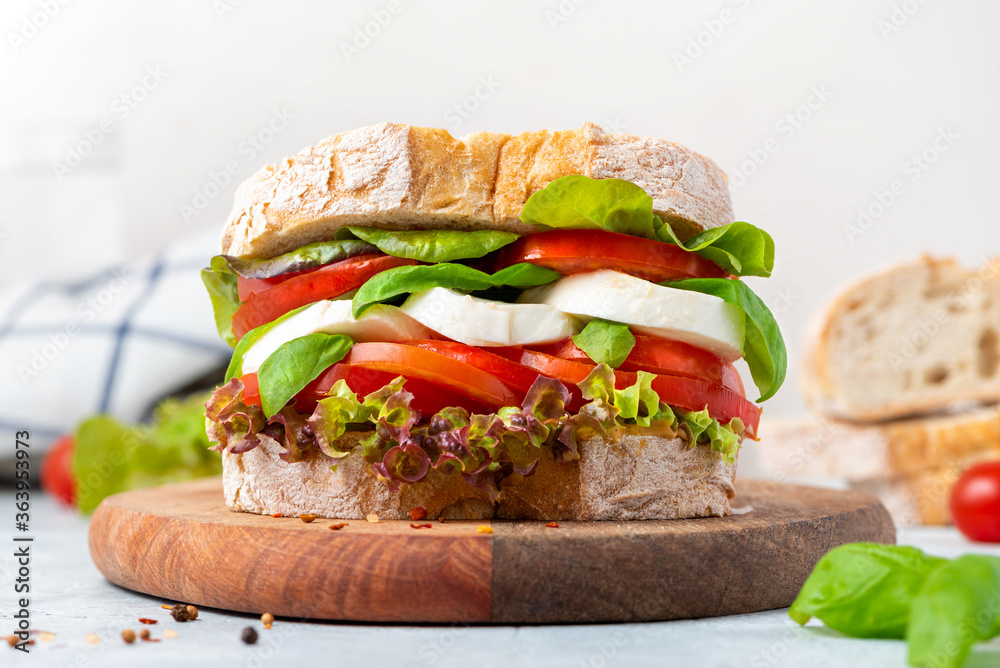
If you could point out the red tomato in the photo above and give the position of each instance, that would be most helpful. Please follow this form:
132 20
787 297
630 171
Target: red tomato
663 356
326 282
689 394
57 471
975 502
576 251
456 375
250 286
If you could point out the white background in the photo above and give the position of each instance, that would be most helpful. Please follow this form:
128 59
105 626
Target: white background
887 91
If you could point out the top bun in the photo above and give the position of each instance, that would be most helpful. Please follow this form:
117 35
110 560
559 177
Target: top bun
402 177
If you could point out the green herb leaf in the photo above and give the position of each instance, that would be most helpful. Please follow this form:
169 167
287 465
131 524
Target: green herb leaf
865 589
111 457
295 364
723 438
614 205
399 281
605 341
763 345
958 606
740 248
220 281
580 202
235 367
309 256
435 245
332 415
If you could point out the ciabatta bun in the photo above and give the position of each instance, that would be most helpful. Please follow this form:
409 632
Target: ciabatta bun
397 176
643 476
914 338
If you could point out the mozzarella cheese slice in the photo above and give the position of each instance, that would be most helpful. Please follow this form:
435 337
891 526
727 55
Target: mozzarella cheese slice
702 320
481 322
378 323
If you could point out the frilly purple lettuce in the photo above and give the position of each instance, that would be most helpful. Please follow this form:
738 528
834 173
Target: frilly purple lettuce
486 450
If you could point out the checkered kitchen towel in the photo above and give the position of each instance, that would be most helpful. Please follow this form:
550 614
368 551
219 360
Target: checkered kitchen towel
115 343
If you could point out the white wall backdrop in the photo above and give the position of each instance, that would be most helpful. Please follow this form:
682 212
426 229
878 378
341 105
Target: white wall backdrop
120 119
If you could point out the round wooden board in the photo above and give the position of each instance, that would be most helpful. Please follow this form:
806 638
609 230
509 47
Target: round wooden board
180 542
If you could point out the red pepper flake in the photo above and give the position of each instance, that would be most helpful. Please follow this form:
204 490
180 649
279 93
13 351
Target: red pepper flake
151 639
276 515
441 519
552 525
147 620
421 526
337 527
417 514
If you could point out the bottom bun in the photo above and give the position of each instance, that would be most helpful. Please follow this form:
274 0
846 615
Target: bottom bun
642 476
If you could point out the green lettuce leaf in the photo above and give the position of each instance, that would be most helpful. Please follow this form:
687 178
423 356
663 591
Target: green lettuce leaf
295 364
614 205
305 257
435 245
740 248
400 281
111 457
723 438
220 281
958 606
605 341
580 202
236 362
332 416
865 590
763 345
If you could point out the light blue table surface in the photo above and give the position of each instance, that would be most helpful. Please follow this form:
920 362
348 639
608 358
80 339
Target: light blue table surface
71 599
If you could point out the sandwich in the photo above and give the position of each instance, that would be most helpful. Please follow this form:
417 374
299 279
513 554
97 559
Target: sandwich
532 326
902 376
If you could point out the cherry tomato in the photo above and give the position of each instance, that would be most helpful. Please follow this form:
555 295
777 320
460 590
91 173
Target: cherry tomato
975 502
575 251
57 471
662 356
327 282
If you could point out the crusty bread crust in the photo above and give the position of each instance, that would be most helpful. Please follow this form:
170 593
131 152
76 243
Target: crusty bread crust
914 338
910 464
644 475
397 176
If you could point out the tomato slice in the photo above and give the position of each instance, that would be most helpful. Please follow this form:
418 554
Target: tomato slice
576 251
662 356
248 287
691 394
327 282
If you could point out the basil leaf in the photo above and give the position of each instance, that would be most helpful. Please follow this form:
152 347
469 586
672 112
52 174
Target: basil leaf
865 589
235 367
740 248
580 202
295 364
309 256
763 345
406 280
435 245
958 605
605 341
220 281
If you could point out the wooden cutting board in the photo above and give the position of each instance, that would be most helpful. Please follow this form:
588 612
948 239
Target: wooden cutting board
180 543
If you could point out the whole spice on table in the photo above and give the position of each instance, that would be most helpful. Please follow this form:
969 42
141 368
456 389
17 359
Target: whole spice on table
181 613
128 635
249 636
144 634
267 618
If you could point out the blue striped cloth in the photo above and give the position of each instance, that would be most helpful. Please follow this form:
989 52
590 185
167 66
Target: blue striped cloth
115 343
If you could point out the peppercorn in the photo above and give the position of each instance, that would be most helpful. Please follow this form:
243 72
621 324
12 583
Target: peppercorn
128 635
267 618
12 640
307 518
144 634
180 612
192 612
249 636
